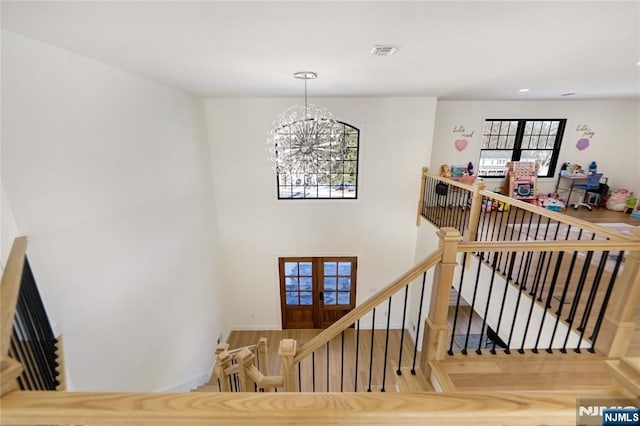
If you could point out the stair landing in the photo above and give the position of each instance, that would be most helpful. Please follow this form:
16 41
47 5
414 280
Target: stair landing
583 373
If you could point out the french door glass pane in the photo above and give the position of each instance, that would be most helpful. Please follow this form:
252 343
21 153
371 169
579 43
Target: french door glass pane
344 268
344 283
330 283
291 283
306 298
330 298
290 269
292 298
305 269
330 268
306 283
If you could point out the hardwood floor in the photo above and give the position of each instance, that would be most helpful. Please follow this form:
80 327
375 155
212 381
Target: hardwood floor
602 215
340 371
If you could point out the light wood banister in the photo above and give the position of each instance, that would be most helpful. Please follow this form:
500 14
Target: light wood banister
474 212
9 290
560 217
197 408
364 308
436 327
557 245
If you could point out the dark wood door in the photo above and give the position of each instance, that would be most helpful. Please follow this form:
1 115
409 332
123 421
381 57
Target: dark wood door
315 292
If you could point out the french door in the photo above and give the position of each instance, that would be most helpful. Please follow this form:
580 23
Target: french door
315 292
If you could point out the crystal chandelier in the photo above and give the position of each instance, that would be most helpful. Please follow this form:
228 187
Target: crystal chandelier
305 139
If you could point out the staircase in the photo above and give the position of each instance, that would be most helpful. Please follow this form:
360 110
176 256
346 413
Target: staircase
392 373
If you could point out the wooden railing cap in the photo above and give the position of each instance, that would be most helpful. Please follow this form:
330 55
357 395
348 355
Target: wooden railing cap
287 347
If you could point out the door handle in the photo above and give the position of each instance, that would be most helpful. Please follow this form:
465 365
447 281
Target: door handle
321 296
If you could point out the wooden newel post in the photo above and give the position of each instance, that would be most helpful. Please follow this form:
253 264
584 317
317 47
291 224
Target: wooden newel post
434 341
475 211
287 352
245 361
423 183
263 356
223 363
618 325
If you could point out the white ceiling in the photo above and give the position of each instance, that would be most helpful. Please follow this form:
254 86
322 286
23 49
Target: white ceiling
452 49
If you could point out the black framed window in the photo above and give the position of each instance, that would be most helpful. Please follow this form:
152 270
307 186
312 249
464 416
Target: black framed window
335 177
505 140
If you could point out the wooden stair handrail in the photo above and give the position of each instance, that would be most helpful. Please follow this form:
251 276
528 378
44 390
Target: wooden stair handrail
557 245
560 217
197 408
9 290
364 308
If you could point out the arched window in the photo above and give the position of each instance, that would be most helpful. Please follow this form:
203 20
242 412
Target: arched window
335 177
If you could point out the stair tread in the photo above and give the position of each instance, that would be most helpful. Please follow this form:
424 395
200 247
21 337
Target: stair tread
527 372
207 388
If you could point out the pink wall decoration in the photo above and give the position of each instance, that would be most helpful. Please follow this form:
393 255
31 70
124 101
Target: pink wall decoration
582 144
461 144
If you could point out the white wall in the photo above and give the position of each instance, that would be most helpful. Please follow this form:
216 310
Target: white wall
615 144
107 173
379 227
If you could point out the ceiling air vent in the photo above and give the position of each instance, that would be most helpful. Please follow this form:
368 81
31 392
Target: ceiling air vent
383 50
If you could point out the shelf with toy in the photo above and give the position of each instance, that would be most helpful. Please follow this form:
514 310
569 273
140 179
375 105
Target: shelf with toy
523 180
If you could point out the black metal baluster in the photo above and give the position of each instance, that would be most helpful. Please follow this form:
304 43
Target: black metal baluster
482 219
515 316
547 304
342 365
486 309
386 346
455 316
546 272
357 350
300 376
28 381
504 297
605 301
415 348
43 334
592 295
499 254
563 296
404 316
313 371
33 343
576 299
327 365
373 324
473 304
533 303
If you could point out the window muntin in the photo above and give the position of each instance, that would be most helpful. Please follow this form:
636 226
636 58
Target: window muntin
520 140
335 177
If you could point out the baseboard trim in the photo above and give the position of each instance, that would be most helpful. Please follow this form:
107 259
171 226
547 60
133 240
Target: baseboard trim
187 384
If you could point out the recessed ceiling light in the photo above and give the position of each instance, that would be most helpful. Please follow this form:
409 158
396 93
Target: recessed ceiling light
638 63
384 50
524 90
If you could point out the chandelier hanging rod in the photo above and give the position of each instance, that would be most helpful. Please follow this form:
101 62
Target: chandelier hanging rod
305 75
